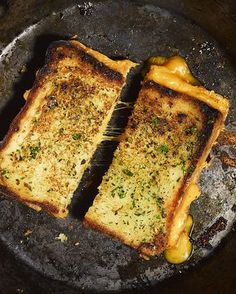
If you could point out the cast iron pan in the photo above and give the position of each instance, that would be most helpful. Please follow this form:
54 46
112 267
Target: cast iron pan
90 261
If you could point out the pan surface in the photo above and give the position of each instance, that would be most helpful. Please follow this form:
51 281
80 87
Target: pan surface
89 260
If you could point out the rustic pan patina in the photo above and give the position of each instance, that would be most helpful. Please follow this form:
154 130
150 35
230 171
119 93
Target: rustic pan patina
32 258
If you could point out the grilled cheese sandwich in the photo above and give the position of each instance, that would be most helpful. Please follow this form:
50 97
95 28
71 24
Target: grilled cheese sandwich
144 197
51 141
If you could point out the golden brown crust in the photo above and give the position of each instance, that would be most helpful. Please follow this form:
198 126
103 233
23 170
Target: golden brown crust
207 115
75 63
162 75
104 229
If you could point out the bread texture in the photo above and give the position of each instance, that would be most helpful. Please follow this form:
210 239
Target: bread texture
51 141
144 197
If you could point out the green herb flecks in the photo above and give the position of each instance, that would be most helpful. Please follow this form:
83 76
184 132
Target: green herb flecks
34 150
5 173
164 149
192 130
119 191
183 166
19 155
128 172
190 170
76 136
155 122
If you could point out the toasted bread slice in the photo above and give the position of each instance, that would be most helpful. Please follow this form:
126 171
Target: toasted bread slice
51 141
144 197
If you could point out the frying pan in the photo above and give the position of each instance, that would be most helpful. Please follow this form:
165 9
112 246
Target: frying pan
33 260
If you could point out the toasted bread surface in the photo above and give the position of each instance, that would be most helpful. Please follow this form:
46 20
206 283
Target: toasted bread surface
51 141
144 196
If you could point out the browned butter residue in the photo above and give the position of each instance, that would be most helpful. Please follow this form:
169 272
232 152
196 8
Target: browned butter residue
227 138
224 157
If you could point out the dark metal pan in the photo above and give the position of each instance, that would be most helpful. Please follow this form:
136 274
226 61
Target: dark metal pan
32 259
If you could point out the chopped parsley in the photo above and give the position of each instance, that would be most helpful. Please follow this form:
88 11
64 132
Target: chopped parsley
191 130
4 173
119 191
183 166
76 136
164 149
186 170
190 170
155 122
34 150
128 172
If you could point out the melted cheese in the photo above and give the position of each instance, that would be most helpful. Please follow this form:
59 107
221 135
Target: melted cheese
176 65
121 66
26 94
183 248
181 215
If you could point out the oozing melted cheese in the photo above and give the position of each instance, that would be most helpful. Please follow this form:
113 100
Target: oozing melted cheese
183 248
181 216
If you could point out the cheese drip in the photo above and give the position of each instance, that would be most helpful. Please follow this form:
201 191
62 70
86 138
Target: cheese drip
183 248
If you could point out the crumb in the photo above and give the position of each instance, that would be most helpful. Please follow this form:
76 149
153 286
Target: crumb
144 256
19 290
74 37
23 69
21 241
28 232
77 243
62 237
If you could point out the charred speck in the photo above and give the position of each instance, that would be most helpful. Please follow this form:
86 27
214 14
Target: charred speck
61 131
170 104
51 102
133 125
181 117
83 161
161 132
64 86
60 55
168 92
